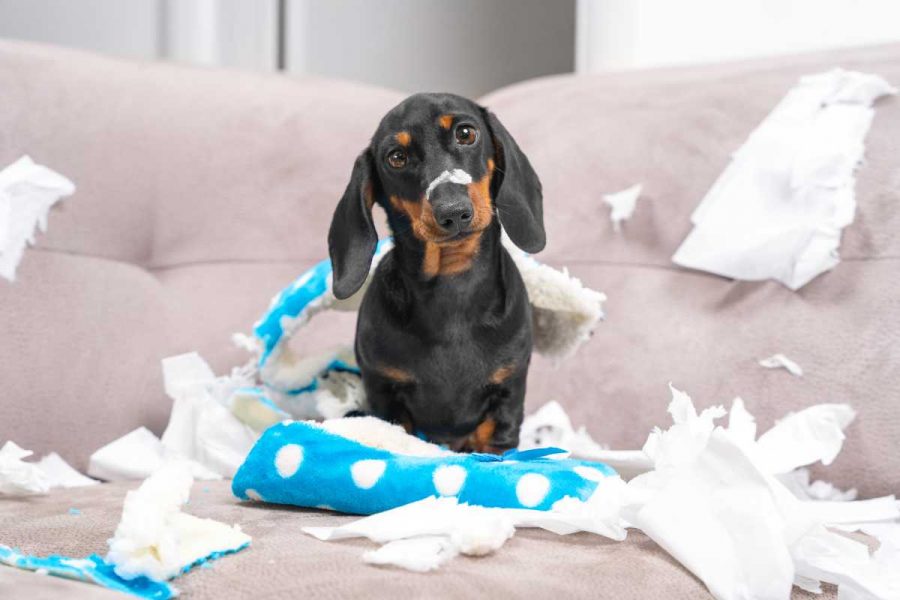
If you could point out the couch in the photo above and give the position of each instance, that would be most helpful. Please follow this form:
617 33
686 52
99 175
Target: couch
202 192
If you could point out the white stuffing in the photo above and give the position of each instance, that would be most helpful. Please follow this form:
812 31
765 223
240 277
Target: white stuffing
377 433
27 193
155 539
622 205
564 312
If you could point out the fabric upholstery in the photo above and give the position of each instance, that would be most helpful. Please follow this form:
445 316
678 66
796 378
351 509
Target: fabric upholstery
284 562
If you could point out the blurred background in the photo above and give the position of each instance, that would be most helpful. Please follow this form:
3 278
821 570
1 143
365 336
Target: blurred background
464 46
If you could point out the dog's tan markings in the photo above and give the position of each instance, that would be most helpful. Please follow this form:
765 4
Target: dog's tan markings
397 375
446 121
403 138
431 262
502 374
480 440
457 257
449 258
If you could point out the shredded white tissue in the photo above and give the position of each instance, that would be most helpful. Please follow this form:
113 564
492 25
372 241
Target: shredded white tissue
550 426
780 361
777 211
27 192
17 477
62 474
798 482
805 437
202 429
420 554
156 539
622 205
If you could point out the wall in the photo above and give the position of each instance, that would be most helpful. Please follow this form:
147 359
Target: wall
618 34
464 46
122 27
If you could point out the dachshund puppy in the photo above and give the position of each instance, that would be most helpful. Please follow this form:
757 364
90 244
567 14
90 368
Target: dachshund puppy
443 337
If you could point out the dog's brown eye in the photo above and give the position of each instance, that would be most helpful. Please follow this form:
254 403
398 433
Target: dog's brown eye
397 159
466 135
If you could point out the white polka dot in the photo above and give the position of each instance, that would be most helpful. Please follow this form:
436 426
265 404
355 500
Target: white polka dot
288 459
449 479
532 489
589 473
253 495
366 473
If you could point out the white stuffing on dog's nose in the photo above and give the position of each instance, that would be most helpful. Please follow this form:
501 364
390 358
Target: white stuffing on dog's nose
455 176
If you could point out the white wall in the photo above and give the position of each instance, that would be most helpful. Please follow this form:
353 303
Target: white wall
121 27
618 34
465 46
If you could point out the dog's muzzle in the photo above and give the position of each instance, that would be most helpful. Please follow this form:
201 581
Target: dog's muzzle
452 208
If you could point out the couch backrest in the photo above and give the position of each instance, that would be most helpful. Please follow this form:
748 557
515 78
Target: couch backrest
674 130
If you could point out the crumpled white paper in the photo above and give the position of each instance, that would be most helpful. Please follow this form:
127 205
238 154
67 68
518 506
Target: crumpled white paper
20 478
202 429
778 209
780 361
27 192
550 426
17 477
155 539
712 497
62 474
622 205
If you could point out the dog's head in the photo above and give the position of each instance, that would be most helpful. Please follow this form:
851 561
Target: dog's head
443 168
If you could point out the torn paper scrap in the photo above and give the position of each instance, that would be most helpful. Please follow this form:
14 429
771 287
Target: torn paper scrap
713 511
420 554
17 477
550 426
155 539
202 428
780 361
137 455
622 204
27 192
802 438
777 211
61 474
798 482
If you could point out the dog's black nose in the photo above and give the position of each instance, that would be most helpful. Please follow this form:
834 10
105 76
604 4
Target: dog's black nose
454 215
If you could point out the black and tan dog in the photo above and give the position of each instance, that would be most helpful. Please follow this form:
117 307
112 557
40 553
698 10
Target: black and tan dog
444 331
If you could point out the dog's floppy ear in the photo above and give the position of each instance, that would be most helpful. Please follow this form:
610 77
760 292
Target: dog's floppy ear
516 190
352 236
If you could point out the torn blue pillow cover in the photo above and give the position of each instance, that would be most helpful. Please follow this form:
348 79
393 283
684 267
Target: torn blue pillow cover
362 465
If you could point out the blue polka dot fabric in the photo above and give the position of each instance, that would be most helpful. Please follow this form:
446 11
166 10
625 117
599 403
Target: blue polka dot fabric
301 464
